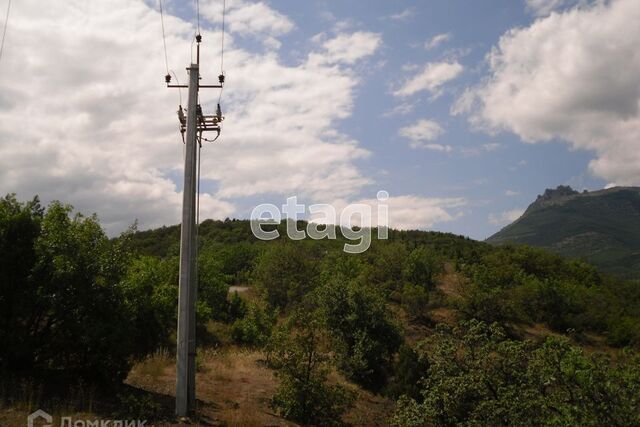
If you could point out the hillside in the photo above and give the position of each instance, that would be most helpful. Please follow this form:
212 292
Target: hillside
602 227
421 329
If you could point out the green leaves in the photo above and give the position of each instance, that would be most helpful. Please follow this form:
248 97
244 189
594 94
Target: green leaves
364 336
477 376
299 354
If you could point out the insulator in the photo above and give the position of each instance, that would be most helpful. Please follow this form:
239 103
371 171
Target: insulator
199 38
167 78
221 78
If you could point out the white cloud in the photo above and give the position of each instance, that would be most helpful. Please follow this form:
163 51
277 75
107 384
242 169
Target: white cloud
416 212
545 7
400 110
102 125
421 132
491 146
476 151
511 193
103 137
506 217
247 18
435 147
574 76
402 16
437 40
431 78
348 48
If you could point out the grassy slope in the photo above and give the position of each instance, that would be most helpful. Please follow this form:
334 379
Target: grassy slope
602 227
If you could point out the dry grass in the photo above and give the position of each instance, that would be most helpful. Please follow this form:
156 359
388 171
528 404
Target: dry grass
234 388
155 365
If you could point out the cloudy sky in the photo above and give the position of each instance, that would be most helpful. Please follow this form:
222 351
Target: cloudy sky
462 110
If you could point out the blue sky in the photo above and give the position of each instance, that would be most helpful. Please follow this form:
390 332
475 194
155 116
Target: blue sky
463 111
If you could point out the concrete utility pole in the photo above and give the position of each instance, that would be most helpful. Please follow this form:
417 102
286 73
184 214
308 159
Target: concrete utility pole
186 358
195 123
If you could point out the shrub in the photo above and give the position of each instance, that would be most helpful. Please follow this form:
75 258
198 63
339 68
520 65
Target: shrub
255 328
422 266
62 308
301 364
285 273
361 329
414 300
477 376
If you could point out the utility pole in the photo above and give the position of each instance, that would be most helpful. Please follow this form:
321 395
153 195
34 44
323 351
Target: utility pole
195 123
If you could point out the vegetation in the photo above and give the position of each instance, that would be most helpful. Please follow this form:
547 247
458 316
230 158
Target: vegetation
601 227
477 376
298 353
457 332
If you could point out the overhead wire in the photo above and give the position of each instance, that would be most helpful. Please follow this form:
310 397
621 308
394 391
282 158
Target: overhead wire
164 39
179 88
4 30
224 12
198 14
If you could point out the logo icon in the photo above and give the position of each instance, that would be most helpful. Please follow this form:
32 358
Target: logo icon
39 414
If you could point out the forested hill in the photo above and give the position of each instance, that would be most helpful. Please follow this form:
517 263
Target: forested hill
437 329
165 241
602 227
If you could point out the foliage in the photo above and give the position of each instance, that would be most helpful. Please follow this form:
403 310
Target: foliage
361 328
151 293
601 227
255 327
408 371
414 299
528 285
237 307
62 308
285 273
212 287
477 376
421 267
300 359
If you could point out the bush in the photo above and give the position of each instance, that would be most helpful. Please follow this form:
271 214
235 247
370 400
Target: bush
361 328
150 291
421 267
408 371
301 365
285 273
414 300
477 376
62 306
255 328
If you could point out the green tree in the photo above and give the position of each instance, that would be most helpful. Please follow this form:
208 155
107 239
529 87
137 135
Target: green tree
362 331
477 376
414 299
21 301
422 266
255 327
151 294
303 395
285 272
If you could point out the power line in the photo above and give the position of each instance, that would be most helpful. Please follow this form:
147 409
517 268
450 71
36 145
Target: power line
164 40
4 31
224 12
198 14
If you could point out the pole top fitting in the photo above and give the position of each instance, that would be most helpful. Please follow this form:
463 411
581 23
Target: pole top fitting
198 38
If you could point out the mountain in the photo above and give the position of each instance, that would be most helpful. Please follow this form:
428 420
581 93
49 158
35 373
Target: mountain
602 227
